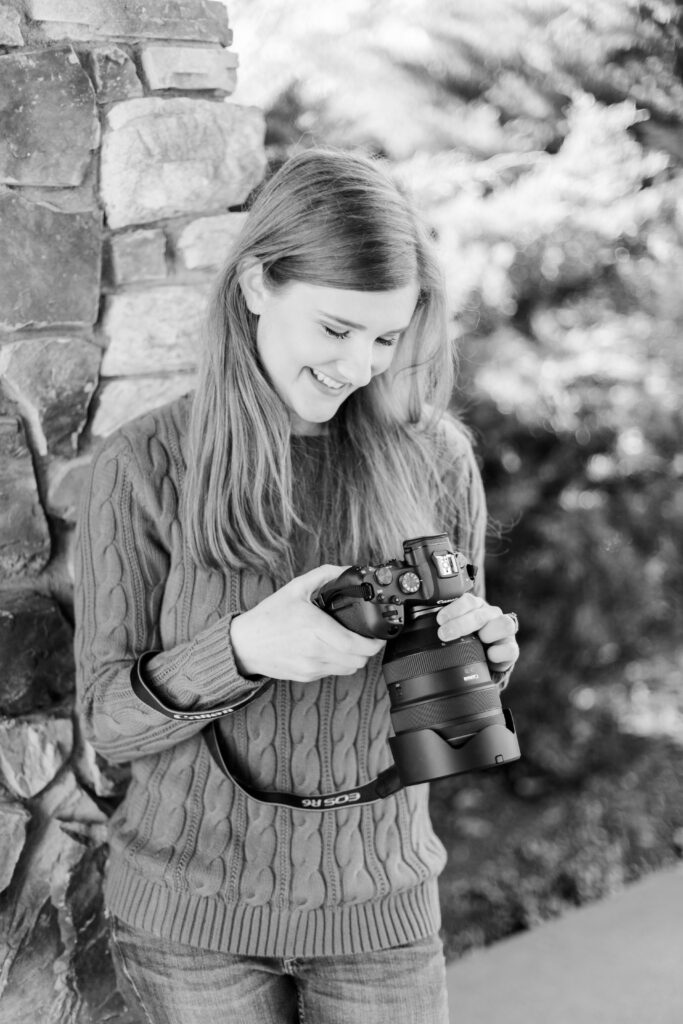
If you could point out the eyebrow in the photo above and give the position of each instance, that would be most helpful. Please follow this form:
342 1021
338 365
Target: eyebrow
356 327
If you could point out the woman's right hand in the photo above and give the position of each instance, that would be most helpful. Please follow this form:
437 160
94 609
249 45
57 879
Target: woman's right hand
286 636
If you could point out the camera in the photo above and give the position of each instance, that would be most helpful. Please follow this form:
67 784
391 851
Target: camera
446 710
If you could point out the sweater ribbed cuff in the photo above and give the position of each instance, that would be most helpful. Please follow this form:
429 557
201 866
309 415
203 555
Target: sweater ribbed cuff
205 675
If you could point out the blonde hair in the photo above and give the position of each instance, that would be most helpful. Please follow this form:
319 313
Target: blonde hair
334 219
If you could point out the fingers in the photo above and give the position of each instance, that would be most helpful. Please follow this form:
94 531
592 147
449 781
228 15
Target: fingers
331 632
311 581
501 628
503 656
343 664
328 649
286 636
467 614
470 614
337 637
499 634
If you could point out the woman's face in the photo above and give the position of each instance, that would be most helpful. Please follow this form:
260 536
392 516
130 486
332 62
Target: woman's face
319 344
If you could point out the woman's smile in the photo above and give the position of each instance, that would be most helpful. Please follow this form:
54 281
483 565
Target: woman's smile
327 382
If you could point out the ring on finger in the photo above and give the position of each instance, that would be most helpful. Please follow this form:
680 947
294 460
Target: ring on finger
515 620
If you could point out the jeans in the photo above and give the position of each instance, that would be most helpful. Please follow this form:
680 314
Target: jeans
176 984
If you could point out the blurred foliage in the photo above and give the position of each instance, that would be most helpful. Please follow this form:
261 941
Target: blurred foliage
544 142
569 315
402 76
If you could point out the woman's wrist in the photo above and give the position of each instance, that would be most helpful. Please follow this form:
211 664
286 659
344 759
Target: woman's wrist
240 653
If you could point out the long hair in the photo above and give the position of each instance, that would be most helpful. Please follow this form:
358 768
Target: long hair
338 220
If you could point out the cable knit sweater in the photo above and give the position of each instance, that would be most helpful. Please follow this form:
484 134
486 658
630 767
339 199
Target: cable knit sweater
192 858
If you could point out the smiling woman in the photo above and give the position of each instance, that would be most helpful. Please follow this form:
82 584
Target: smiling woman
317 437
332 265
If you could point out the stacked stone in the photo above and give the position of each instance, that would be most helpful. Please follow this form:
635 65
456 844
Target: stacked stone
122 171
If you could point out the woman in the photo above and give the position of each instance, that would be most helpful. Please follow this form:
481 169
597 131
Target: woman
317 438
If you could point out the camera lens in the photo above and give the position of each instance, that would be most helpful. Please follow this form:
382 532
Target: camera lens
443 704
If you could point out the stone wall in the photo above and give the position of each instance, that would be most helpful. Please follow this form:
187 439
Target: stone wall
122 170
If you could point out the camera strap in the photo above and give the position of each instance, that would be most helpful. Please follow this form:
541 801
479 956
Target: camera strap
143 692
386 783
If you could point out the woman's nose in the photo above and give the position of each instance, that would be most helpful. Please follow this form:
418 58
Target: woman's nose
356 364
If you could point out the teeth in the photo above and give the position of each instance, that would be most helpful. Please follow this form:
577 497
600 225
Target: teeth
329 382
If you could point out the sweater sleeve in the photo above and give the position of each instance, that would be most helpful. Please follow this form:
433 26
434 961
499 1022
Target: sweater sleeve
121 569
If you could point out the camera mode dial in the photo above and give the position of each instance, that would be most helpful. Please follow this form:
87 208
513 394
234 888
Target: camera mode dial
409 582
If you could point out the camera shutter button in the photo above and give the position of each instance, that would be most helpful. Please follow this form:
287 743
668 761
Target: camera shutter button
383 575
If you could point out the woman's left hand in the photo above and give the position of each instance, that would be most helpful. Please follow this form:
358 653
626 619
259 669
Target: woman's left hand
495 629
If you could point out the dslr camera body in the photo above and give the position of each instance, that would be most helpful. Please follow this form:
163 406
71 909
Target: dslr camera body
445 708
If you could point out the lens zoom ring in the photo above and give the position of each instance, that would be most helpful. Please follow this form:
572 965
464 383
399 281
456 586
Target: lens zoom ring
434 659
437 712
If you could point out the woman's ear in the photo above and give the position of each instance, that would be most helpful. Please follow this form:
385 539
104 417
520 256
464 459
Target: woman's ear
253 286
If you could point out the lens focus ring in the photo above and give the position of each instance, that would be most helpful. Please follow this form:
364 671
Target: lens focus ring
430 713
453 655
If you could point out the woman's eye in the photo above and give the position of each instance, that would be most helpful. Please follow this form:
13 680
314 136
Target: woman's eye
387 341
339 335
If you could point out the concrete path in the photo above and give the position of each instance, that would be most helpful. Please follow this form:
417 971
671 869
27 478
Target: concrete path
618 961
